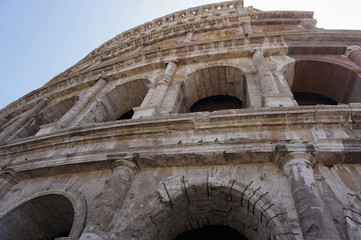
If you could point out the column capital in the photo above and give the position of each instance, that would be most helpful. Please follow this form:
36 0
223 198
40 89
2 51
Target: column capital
101 77
351 48
125 163
257 51
172 61
120 160
287 155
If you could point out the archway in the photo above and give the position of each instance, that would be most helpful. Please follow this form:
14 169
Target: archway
117 104
50 114
238 210
328 79
44 217
215 81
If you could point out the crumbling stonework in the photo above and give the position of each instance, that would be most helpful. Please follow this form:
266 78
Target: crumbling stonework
109 149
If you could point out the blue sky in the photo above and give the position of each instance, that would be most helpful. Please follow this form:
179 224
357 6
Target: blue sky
41 38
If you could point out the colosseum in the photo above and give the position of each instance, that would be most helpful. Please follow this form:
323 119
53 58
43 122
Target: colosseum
215 122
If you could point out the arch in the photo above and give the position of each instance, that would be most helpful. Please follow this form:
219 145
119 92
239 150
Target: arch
50 114
214 81
44 217
116 102
173 211
327 78
68 195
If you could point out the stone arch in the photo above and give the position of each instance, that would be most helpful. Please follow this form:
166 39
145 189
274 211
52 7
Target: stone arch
116 102
50 114
187 206
60 195
330 79
214 81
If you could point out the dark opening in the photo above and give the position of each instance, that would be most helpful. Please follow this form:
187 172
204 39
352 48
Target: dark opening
211 232
127 115
45 217
307 98
214 103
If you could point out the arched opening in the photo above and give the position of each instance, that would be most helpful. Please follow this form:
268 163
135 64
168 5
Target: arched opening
327 82
178 214
50 114
215 103
211 232
45 217
219 87
306 98
117 104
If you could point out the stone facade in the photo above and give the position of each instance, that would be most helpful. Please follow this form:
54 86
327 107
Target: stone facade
284 166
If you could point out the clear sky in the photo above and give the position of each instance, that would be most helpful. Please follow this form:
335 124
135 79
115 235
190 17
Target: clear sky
41 38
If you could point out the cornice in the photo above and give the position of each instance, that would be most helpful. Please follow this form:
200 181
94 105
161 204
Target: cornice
113 140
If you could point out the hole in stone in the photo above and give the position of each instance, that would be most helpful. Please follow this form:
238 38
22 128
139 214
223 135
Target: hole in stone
214 103
211 232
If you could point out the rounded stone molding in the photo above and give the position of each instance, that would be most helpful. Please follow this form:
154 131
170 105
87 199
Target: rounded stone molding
125 163
351 48
293 154
293 158
71 193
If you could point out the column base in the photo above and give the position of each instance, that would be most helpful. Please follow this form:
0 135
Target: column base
47 128
91 236
278 100
146 111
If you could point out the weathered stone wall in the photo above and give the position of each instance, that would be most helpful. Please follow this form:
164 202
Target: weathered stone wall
271 170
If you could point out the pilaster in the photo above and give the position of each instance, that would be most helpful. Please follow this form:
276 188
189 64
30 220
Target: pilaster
354 54
271 95
113 196
154 102
247 28
297 163
78 107
10 131
75 111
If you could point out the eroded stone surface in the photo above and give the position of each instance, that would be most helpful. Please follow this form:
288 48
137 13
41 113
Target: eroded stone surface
166 170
